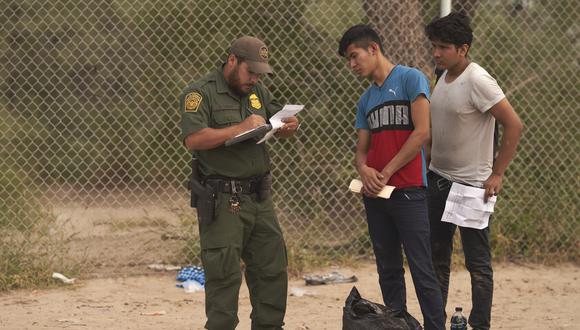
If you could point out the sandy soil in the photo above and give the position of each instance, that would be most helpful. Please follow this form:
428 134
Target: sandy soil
526 297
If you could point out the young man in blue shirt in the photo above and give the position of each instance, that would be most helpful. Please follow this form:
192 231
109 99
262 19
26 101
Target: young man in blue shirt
392 122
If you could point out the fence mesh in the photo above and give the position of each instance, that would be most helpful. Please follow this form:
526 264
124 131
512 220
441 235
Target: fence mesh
92 171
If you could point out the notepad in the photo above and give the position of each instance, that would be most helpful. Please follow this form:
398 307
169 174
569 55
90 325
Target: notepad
256 132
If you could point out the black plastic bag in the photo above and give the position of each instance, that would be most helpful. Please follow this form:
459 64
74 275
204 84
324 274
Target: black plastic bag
361 314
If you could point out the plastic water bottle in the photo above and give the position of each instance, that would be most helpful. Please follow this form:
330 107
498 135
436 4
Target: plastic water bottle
458 321
190 286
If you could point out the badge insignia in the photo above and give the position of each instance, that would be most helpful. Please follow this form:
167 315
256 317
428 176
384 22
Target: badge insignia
255 102
192 102
264 52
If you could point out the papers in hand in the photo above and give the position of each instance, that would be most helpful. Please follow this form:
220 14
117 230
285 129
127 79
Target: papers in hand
289 110
356 186
465 207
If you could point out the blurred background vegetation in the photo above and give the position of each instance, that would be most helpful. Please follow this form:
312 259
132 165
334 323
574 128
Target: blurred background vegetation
88 108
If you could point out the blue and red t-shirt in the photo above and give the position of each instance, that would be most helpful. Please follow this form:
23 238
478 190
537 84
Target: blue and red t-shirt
385 111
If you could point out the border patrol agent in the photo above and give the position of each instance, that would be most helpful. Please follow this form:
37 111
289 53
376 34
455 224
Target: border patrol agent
231 188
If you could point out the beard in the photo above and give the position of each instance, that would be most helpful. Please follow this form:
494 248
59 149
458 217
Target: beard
235 83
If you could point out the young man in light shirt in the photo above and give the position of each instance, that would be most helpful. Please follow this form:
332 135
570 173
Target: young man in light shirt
465 104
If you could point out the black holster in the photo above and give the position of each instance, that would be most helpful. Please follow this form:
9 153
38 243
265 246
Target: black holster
203 197
206 202
264 188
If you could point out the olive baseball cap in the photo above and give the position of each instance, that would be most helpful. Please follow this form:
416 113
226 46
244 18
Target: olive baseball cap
254 52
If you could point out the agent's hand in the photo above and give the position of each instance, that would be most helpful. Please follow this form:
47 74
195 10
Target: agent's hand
290 127
372 181
252 121
290 124
492 186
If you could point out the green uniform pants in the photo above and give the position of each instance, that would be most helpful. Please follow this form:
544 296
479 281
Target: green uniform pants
253 235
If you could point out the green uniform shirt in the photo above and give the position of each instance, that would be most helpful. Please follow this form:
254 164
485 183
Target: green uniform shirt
211 103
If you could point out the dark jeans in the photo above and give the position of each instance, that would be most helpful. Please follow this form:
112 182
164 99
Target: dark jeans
403 219
475 247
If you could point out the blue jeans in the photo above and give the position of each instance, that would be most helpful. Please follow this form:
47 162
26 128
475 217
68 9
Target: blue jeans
476 249
403 219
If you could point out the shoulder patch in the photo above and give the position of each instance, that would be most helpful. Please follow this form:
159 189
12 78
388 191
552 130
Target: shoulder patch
192 101
255 101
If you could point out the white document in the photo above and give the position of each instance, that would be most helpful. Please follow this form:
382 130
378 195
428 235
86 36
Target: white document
356 186
465 207
289 110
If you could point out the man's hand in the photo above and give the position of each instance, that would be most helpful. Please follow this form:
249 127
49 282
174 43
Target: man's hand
290 126
386 176
512 130
492 186
251 122
372 181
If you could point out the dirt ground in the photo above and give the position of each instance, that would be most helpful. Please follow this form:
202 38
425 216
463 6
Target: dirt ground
526 297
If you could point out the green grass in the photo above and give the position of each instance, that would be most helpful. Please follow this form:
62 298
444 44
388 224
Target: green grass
29 250
28 260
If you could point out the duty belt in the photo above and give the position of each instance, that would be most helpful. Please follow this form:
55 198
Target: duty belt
234 186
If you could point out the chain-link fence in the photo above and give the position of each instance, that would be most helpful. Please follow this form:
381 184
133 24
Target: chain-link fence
92 171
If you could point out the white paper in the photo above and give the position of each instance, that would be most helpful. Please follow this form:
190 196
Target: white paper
465 207
289 110
63 278
356 186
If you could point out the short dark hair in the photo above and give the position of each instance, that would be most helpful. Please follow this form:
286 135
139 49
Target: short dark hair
361 35
454 29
